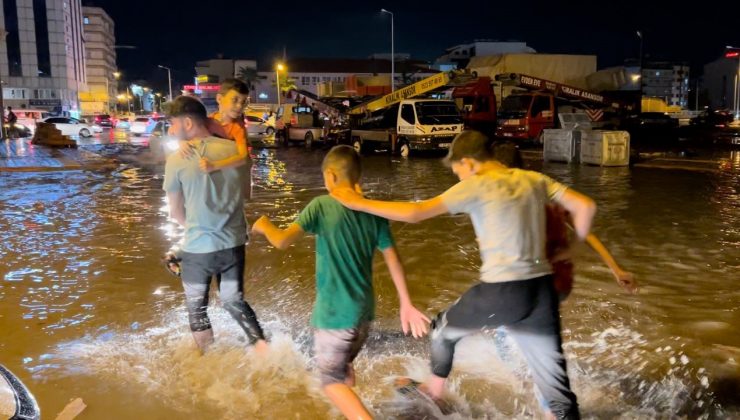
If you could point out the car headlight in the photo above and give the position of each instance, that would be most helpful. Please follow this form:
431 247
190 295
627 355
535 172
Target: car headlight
172 144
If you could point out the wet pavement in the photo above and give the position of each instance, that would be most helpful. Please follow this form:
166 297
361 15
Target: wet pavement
87 309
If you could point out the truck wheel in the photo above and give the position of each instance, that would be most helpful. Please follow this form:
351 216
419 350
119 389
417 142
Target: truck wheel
357 145
309 140
404 150
85 133
541 138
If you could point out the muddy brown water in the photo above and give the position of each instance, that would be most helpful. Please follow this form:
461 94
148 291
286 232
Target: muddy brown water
87 310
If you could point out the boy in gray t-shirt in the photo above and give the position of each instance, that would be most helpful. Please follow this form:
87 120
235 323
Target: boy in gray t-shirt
507 208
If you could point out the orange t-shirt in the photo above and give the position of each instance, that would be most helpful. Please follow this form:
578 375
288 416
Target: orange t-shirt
231 130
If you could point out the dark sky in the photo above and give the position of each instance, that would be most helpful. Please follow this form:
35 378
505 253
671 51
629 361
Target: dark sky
178 33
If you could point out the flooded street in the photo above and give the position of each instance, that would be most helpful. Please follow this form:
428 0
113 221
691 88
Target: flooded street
88 310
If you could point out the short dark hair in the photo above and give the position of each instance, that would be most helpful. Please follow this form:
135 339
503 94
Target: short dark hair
345 161
508 154
233 84
187 106
469 144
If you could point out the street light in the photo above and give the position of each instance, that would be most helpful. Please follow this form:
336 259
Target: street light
734 52
639 35
116 75
169 78
393 53
278 69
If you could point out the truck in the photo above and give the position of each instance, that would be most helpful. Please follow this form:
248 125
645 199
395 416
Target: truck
400 124
525 114
306 121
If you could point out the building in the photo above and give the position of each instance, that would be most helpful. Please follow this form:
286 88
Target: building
460 55
100 59
42 60
309 74
667 81
303 73
720 79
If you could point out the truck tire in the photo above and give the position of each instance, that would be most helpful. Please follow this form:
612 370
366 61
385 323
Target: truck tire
357 145
309 140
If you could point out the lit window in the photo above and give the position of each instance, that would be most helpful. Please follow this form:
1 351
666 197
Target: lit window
263 95
657 73
86 20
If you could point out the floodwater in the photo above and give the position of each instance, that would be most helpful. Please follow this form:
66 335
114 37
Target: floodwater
87 309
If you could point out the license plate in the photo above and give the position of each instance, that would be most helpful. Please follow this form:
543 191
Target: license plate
508 135
444 145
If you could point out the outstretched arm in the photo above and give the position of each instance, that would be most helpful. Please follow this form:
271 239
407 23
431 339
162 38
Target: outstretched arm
411 318
279 238
411 212
581 208
623 278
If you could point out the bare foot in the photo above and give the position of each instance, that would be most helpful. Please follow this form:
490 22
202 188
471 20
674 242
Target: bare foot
350 379
261 347
434 387
203 339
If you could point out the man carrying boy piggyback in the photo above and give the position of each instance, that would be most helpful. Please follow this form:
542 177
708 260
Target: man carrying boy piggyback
345 302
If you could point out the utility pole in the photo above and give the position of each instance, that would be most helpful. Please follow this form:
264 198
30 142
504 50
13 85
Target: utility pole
393 53
169 78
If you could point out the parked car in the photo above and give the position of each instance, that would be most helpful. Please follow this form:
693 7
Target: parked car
104 120
257 125
29 117
71 126
142 125
161 144
713 119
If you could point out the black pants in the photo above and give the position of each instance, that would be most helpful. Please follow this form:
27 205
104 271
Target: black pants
228 265
529 311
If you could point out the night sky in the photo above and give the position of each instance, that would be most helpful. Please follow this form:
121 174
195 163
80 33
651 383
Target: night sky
178 33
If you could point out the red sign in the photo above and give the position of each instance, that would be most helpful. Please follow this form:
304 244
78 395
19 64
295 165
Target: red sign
202 87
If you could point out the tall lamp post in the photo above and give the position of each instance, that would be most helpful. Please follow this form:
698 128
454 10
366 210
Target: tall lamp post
169 78
734 52
116 75
3 34
278 69
393 53
639 35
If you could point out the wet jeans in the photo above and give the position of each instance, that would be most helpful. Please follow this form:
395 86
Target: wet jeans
529 311
228 266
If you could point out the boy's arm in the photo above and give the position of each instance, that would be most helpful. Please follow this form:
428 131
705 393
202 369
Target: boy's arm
235 161
279 238
176 201
411 318
581 208
403 212
623 278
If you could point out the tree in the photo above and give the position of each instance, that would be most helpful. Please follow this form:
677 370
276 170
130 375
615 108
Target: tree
286 83
249 76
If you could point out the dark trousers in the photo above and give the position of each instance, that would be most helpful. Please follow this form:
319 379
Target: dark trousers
228 265
529 311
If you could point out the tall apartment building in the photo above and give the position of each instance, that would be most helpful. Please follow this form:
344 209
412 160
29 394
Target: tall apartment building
100 60
668 81
42 59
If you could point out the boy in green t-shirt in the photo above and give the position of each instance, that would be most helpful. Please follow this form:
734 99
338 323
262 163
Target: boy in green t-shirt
345 303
